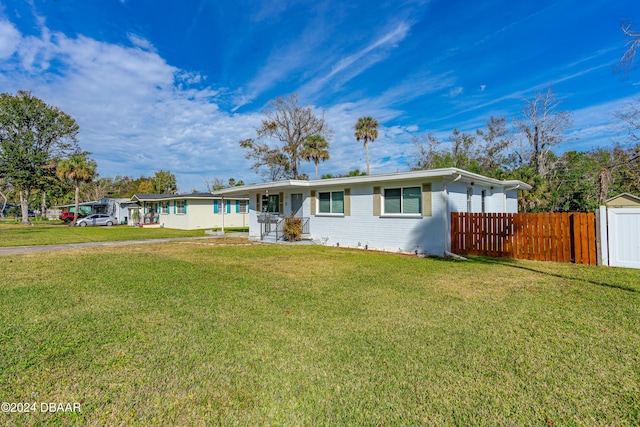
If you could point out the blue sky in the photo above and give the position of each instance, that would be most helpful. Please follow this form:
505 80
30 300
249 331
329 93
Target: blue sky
158 84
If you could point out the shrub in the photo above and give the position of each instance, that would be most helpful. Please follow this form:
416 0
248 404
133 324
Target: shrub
292 228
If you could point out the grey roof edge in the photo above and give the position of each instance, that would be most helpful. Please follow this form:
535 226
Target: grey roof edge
191 196
398 176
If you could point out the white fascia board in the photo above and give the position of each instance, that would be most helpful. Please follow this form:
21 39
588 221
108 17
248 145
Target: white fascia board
351 180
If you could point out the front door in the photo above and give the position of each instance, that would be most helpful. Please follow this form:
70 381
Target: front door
296 204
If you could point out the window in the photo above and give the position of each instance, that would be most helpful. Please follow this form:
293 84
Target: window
331 202
271 203
180 206
164 208
242 206
469 197
403 200
484 201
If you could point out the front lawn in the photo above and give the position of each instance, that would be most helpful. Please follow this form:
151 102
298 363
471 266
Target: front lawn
12 234
227 333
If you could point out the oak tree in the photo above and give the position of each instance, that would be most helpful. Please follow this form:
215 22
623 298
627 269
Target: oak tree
32 135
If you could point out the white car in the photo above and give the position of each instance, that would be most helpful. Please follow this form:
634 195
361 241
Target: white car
97 219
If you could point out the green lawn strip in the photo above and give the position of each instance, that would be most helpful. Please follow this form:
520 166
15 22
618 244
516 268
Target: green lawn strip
55 234
252 335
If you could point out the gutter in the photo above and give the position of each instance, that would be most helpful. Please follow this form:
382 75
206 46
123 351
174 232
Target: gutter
504 196
445 219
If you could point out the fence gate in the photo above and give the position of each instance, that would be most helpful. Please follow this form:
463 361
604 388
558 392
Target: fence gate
624 237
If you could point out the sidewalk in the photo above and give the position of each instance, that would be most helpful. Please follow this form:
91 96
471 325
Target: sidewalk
13 250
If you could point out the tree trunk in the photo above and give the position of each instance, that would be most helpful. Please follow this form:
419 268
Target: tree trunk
4 204
43 211
316 170
366 147
75 214
24 206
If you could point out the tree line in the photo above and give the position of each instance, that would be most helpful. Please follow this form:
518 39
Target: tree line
525 149
41 161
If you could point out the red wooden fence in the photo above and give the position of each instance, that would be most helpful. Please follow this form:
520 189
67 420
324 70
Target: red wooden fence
560 237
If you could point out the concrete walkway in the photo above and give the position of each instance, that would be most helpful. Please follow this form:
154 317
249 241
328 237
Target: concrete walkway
13 250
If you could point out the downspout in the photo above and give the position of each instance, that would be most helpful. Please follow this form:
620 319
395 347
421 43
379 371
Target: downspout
447 232
223 209
504 196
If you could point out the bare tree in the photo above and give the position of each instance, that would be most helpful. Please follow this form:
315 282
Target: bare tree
497 140
427 151
626 63
543 127
463 150
213 185
95 190
630 120
290 124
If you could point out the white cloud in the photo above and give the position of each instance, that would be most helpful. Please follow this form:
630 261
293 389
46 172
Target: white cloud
140 42
456 91
137 113
346 68
9 38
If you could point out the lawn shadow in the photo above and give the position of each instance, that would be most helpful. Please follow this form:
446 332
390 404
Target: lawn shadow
508 262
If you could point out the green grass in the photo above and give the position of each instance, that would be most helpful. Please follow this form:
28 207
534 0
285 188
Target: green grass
204 334
12 234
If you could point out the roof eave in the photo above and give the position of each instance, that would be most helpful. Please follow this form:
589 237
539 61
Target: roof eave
431 173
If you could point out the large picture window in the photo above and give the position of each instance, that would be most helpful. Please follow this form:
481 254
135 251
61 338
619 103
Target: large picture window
403 200
331 202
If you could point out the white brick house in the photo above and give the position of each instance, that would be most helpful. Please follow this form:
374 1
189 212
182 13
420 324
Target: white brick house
403 212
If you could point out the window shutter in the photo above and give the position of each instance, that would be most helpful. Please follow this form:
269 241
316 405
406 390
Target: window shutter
228 206
426 200
347 201
216 208
280 202
258 207
174 206
185 207
312 202
376 201
237 206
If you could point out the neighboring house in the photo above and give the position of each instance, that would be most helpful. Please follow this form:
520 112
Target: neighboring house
190 211
624 200
404 212
118 208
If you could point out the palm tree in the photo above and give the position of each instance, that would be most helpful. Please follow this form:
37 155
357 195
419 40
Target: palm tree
77 168
316 149
367 130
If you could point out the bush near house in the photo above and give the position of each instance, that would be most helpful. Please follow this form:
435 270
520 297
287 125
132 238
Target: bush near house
292 228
